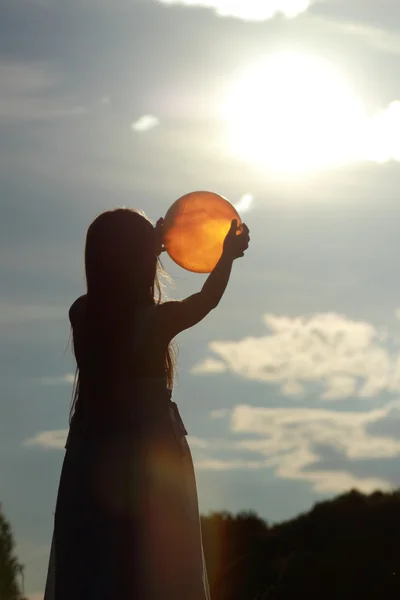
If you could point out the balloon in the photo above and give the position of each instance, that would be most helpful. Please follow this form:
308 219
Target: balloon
195 227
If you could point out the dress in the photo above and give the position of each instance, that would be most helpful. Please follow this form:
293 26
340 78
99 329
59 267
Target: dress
127 521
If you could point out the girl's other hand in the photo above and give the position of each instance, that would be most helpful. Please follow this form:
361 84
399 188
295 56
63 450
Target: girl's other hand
159 236
235 245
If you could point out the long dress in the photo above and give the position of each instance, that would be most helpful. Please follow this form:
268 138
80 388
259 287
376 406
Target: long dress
127 523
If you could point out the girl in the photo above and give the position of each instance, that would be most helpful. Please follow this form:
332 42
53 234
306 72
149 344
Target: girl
127 520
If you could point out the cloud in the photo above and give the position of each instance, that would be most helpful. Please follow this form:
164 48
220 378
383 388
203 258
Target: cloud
48 440
288 438
61 380
376 37
244 203
56 439
145 123
29 92
389 425
228 464
340 386
292 388
209 366
374 138
383 134
219 414
346 358
249 10
292 442
197 442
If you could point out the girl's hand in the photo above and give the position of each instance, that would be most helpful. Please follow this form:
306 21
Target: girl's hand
159 236
235 245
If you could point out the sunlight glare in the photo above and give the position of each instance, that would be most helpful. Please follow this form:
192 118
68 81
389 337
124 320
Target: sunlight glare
293 113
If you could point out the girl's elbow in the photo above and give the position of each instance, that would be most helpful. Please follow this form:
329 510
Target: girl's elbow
214 303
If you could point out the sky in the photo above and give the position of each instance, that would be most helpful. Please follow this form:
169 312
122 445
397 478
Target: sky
290 389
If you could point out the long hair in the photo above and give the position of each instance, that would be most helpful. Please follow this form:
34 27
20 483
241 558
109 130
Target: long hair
122 272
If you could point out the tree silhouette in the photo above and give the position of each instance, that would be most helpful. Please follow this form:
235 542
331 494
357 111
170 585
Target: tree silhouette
10 569
343 549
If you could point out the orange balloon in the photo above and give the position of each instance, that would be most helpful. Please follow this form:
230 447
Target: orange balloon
195 228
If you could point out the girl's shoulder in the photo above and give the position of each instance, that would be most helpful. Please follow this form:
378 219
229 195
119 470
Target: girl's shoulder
76 309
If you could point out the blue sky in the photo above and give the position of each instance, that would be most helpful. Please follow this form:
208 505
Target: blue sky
290 389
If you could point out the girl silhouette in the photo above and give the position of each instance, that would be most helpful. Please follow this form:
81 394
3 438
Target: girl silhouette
127 520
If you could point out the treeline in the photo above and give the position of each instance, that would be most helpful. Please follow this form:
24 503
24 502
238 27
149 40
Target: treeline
343 549
11 571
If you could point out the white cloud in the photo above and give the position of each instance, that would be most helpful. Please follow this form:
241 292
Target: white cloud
249 10
292 388
215 464
292 442
68 378
244 203
383 134
345 430
209 366
145 123
346 358
48 440
196 442
288 439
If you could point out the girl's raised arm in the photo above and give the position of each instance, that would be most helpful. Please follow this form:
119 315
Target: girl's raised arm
176 316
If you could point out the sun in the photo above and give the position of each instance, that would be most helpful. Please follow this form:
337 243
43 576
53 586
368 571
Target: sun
293 113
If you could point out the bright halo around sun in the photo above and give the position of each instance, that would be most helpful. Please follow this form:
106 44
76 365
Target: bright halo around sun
294 113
